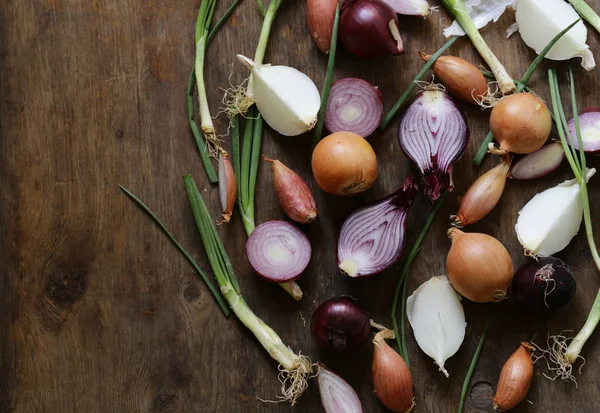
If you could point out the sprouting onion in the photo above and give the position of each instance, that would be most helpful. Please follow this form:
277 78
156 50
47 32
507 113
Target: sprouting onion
465 387
294 369
521 85
561 354
587 13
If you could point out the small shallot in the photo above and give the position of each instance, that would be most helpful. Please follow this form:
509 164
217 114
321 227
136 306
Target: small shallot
227 187
320 15
392 380
294 195
539 163
483 195
372 237
515 379
437 318
337 396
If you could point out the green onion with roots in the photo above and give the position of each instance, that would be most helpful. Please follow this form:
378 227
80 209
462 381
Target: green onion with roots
561 354
587 13
294 369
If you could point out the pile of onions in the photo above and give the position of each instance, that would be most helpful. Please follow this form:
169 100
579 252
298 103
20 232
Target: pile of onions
278 251
340 325
354 105
478 266
369 28
589 124
433 133
521 124
344 163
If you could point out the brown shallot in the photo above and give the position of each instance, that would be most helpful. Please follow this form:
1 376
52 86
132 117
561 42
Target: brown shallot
227 187
320 15
515 379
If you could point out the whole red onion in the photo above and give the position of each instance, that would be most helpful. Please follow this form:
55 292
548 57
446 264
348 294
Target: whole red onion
369 28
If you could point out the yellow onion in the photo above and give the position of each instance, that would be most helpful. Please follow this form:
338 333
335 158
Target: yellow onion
483 195
320 15
478 266
515 379
344 163
520 123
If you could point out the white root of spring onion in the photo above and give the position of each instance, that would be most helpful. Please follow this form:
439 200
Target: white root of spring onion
287 99
482 12
550 220
540 21
437 318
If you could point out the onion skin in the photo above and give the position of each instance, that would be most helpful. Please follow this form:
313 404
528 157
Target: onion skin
478 266
462 79
521 124
365 28
589 119
483 195
227 187
515 379
320 15
392 381
294 195
344 163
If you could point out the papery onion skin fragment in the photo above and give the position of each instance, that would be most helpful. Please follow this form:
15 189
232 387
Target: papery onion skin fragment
344 163
354 105
433 133
521 124
372 238
437 318
462 79
227 187
515 379
320 15
369 28
545 284
278 251
478 266
539 163
589 124
340 325
410 7
337 396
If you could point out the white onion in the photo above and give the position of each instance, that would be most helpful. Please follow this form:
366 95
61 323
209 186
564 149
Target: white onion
482 12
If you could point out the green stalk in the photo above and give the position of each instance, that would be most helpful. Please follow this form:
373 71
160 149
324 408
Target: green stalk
259 55
521 85
254 161
217 296
328 78
392 113
490 75
465 387
587 13
403 341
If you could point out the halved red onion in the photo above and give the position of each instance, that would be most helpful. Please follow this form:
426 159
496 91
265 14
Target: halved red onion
589 125
278 251
539 163
372 237
354 105
434 134
410 7
337 395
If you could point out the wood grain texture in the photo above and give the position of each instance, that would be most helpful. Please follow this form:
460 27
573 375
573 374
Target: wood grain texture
99 313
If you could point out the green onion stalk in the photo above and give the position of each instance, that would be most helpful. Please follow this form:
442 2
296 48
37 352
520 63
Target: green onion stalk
587 13
459 11
295 369
561 354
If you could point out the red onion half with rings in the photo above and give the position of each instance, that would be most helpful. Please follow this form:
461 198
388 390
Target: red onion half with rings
434 134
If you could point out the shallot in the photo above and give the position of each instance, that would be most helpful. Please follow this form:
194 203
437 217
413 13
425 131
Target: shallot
337 396
589 124
515 379
227 187
320 15
539 163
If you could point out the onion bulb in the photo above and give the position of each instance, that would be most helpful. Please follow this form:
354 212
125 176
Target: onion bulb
337 395
521 123
344 163
320 15
478 266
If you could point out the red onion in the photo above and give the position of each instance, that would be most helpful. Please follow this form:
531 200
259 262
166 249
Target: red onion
354 105
278 251
337 395
544 284
539 163
589 125
340 325
369 28
434 134
372 237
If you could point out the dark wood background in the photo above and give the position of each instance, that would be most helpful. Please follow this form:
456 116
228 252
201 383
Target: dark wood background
99 313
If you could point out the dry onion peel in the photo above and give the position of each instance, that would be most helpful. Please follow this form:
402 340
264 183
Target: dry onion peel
515 379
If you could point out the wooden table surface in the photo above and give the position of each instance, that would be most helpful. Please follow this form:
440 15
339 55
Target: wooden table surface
99 313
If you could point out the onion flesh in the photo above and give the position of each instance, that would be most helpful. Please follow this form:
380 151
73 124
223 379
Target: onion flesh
410 7
354 105
320 15
337 396
372 238
539 163
589 124
278 251
434 134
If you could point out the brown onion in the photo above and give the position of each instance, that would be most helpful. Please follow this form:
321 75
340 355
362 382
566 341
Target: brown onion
462 79
515 379
344 163
391 377
320 15
227 187
521 123
478 266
